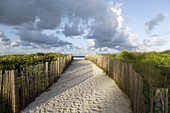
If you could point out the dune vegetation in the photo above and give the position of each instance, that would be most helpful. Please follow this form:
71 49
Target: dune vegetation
153 66
10 62
18 61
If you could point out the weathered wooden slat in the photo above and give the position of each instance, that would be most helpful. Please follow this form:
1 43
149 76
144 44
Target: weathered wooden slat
33 80
40 85
130 82
4 86
9 90
28 87
42 78
135 93
138 93
108 65
151 99
15 96
38 80
53 77
166 100
23 89
51 73
7 86
0 82
114 68
44 84
61 66
57 68
31 83
122 77
143 100
126 78
56 72
46 74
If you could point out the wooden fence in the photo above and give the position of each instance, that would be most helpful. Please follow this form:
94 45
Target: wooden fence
144 97
20 87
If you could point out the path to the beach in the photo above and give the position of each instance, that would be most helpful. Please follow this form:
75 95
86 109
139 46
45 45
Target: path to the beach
82 88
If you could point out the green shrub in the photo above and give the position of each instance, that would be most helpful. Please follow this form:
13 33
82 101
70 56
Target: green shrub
10 62
166 52
153 66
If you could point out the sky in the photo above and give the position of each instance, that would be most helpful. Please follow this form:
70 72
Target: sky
84 26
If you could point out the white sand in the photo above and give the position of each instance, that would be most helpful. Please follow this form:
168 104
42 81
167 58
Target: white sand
83 88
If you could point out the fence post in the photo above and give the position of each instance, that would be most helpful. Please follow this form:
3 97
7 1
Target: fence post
151 99
59 66
0 80
15 95
46 74
108 63
166 100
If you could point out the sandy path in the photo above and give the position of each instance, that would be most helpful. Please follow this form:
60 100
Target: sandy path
83 88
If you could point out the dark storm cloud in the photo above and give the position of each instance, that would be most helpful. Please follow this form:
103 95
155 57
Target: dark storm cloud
17 12
86 9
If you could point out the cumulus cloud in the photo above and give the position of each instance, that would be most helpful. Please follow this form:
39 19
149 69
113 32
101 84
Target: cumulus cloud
86 9
103 21
37 37
153 22
104 49
17 12
154 42
3 39
108 30
91 44
151 43
111 39
18 43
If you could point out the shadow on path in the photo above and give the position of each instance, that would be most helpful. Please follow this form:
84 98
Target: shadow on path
82 88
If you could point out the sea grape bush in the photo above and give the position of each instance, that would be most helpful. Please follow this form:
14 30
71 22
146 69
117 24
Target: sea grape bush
10 62
153 66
